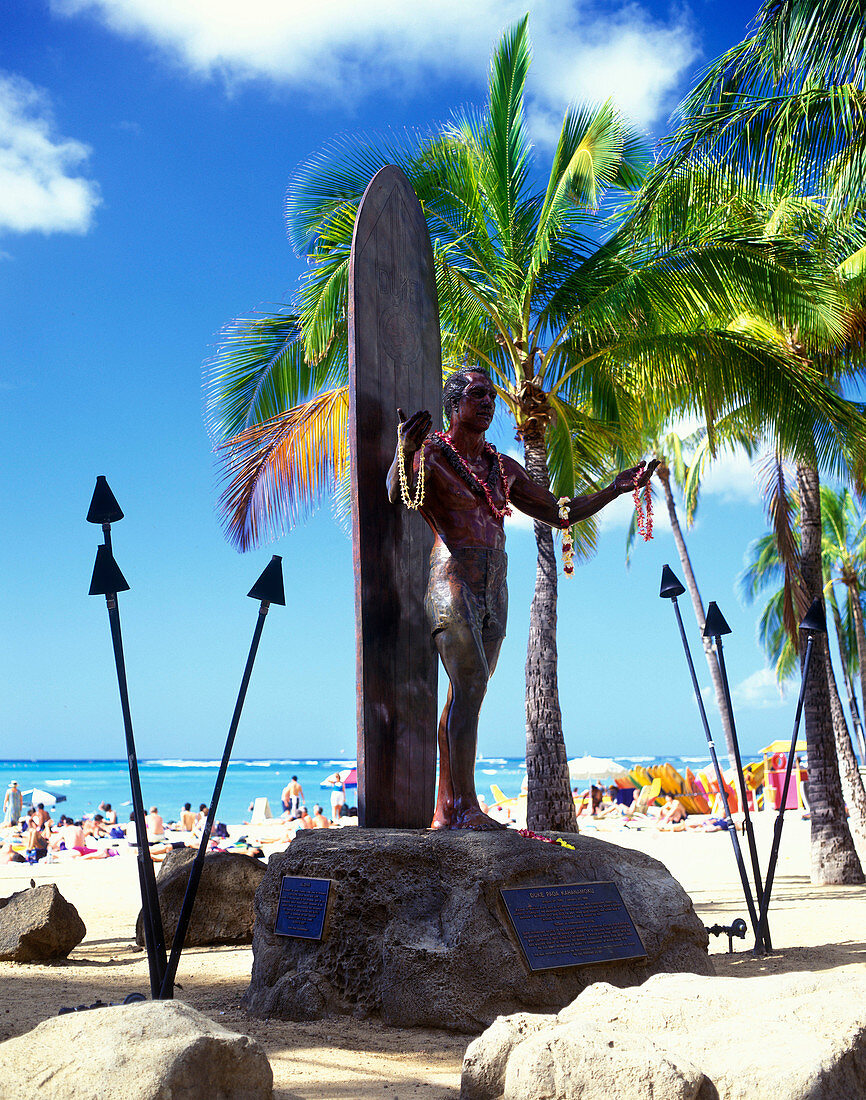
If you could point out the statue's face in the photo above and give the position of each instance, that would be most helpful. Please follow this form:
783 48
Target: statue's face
477 403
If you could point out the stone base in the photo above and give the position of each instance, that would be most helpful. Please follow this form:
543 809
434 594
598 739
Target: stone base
418 934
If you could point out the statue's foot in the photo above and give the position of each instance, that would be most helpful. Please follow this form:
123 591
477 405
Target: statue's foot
474 818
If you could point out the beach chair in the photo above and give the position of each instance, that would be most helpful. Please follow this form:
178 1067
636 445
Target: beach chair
261 812
648 795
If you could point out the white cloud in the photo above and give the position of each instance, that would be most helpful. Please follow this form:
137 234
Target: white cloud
731 478
39 188
349 48
623 53
760 691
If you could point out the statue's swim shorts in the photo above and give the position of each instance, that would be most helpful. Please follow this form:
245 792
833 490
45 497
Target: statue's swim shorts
467 589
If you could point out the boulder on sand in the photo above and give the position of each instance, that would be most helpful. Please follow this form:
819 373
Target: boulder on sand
418 933
38 924
223 910
153 1050
789 1036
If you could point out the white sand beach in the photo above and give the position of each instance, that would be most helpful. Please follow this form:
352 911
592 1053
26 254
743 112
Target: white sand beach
813 929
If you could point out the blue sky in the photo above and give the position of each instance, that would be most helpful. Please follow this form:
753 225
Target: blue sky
145 150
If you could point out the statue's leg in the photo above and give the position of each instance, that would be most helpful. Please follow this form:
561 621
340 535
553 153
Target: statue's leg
444 793
466 664
467 637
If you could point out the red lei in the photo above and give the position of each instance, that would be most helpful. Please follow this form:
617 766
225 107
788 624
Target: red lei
471 478
644 524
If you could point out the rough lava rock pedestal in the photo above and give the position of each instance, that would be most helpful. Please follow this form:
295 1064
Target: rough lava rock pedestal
38 924
419 936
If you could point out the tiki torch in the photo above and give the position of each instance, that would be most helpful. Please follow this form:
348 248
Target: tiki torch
670 589
815 622
107 580
268 589
715 626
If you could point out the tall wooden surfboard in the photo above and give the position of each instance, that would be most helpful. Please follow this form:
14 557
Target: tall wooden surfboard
395 360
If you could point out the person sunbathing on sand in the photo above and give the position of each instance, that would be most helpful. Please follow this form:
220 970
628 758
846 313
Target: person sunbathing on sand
95 828
187 818
38 836
71 836
319 819
671 814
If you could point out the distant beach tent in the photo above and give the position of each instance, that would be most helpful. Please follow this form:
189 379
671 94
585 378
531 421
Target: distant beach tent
587 768
338 779
37 795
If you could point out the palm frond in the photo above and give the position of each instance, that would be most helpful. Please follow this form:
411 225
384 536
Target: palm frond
781 511
506 141
281 469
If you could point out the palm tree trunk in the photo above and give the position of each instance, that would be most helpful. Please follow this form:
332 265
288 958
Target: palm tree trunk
834 859
664 476
857 615
846 676
852 785
549 802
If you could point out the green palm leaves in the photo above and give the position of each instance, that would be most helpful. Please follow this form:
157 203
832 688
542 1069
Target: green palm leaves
576 324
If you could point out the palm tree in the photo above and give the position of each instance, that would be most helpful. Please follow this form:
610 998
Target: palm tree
844 549
574 333
737 195
768 566
790 96
672 451
847 645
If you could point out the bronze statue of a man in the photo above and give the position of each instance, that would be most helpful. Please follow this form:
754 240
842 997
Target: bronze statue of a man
467 489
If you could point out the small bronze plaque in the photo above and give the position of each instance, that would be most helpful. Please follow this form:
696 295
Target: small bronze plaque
573 924
302 907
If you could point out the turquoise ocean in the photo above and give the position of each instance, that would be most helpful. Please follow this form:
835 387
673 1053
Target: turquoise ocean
169 783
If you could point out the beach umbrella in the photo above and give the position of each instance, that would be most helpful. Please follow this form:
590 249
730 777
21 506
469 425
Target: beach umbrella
587 768
37 795
337 779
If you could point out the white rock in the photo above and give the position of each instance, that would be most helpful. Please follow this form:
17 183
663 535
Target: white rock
153 1050
562 1064
487 1056
786 1036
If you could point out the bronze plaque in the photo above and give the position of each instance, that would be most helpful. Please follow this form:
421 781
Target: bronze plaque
395 360
573 924
302 907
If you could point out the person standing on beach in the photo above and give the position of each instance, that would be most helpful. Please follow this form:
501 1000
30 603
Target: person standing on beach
12 804
338 801
465 494
292 796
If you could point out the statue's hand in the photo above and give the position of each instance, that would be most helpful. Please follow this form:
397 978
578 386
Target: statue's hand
415 430
624 481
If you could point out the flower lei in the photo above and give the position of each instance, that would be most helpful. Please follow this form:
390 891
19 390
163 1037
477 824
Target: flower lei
644 523
462 467
547 840
567 538
415 502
